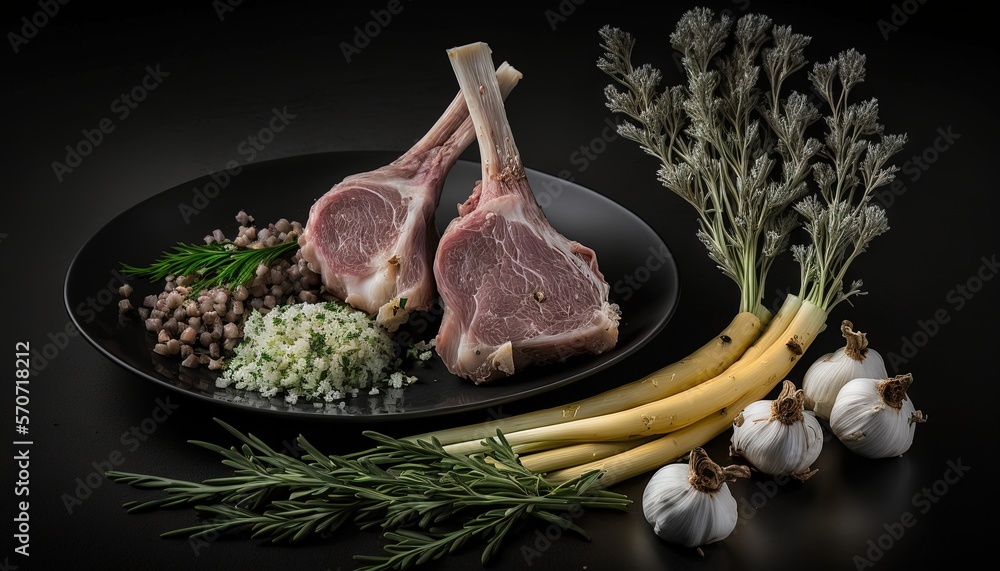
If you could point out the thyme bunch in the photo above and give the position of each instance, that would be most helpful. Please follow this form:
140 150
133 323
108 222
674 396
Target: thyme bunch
842 220
735 144
427 502
727 143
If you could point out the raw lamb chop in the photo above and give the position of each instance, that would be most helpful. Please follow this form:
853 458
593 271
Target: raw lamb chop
372 236
516 292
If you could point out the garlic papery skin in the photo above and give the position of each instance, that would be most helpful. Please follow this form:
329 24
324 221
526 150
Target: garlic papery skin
825 377
691 505
874 417
778 437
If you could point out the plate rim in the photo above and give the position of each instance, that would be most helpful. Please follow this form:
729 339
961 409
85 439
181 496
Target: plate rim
447 410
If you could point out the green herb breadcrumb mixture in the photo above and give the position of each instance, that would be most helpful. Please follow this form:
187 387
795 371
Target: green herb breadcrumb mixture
316 351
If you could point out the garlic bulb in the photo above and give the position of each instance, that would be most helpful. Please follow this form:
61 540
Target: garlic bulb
778 437
829 373
874 417
691 505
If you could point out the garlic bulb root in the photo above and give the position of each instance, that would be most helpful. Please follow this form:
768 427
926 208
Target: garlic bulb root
706 476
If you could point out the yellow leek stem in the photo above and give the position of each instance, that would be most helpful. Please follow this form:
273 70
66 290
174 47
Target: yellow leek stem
636 390
775 329
778 362
575 454
704 363
689 406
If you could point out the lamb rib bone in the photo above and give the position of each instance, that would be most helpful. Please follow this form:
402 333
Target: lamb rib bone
515 291
372 237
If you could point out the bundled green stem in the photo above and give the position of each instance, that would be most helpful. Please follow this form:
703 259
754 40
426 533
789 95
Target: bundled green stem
427 502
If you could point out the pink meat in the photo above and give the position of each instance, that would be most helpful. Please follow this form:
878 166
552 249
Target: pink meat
372 236
516 292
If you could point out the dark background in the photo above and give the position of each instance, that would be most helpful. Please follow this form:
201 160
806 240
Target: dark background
932 74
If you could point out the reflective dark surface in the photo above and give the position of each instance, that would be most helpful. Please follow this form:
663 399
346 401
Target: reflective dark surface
931 307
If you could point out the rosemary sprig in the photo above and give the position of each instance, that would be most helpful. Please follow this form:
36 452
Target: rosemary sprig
427 502
215 264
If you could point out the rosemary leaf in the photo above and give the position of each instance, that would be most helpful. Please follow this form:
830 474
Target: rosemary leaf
426 501
214 265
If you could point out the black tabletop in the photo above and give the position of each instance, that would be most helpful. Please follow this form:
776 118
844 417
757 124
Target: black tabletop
170 94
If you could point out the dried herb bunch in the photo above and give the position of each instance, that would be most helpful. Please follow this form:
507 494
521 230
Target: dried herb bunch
739 149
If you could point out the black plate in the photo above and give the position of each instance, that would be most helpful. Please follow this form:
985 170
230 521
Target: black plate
633 258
